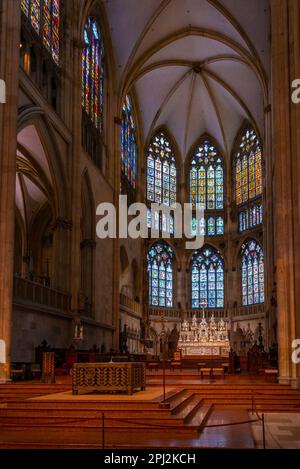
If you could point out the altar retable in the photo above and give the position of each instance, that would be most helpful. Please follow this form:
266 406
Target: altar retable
207 337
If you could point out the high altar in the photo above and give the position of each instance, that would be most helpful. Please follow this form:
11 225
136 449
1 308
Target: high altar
207 337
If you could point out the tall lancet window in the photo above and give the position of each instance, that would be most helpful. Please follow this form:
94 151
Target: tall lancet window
161 171
160 275
252 265
44 17
161 182
248 180
128 150
207 271
93 73
206 180
93 91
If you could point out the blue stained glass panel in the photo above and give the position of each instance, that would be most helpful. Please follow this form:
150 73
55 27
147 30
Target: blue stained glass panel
207 177
129 147
207 278
252 266
160 265
162 159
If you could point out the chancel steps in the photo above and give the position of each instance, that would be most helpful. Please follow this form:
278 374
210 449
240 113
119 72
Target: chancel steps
56 421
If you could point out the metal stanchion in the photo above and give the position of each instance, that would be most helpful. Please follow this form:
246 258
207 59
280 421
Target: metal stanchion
103 432
163 335
164 378
263 430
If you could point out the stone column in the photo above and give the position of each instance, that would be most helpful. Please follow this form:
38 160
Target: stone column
87 248
9 71
268 231
61 233
115 141
76 170
286 154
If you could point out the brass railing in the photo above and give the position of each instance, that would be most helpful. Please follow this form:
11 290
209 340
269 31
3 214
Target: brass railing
218 313
37 293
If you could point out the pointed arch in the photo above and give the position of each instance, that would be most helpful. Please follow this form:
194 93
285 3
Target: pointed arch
44 16
97 84
247 165
44 138
252 272
93 57
129 149
207 278
205 170
161 169
160 258
206 174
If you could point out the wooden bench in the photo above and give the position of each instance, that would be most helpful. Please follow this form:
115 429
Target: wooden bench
200 365
205 372
176 365
218 372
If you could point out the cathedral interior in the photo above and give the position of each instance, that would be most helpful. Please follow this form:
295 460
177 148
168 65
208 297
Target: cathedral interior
166 102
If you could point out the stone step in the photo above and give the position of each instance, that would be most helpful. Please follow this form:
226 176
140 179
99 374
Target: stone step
190 407
201 416
93 405
180 403
53 413
256 397
287 407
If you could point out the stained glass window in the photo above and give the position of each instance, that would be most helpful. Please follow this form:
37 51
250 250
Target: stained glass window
128 145
252 266
207 272
207 177
93 73
25 6
160 275
161 172
250 217
44 17
213 226
248 168
160 222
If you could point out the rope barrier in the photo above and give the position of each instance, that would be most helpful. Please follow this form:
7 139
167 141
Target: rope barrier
132 422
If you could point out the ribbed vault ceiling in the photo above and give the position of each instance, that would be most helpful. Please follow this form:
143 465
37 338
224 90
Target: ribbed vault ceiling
33 178
197 66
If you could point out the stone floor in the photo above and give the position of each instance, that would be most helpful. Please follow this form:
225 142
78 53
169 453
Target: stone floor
237 436
282 431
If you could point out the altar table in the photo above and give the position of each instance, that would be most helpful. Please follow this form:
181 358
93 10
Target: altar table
126 376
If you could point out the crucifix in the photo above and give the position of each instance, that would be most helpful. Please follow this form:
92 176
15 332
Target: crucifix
203 305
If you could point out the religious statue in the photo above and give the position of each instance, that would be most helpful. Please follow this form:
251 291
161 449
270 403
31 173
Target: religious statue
194 329
222 330
204 336
249 335
184 330
213 329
